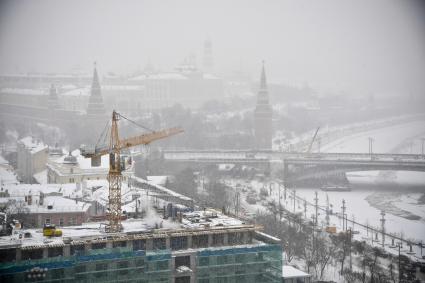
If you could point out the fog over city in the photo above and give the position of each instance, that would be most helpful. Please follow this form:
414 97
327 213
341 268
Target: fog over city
212 141
368 46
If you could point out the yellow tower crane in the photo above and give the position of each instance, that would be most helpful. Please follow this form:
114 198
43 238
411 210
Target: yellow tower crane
115 166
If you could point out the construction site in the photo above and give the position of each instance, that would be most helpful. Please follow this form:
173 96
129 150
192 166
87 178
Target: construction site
195 246
164 237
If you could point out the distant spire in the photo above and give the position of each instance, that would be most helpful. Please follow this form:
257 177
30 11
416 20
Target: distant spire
95 82
96 108
208 63
263 116
263 84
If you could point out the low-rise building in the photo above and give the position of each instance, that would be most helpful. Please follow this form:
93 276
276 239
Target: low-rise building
31 158
74 168
292 275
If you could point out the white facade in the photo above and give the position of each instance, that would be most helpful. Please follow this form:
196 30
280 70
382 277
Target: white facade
75 168
31 158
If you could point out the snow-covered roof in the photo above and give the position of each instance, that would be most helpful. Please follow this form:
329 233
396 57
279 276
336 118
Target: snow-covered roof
158 180
163 189
7 175
33 144
25 91
41 177
62 164
208 218
123 87
82 91
53 204
159 76
291 272
20 190
3 161
207 76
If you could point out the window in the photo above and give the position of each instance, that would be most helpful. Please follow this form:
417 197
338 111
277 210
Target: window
218 239
240 258
123 266
182 261
140 262
139 245
32 254
97 246
184 279
119 244
80 269
72 221
159 244
179 243
57 273
77 249
71 180
61 222
101 267
162 265
204 261
200 241
47 221
55 251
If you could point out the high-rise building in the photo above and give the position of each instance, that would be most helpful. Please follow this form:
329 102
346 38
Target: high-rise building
263 116
52 100
31 158
208 63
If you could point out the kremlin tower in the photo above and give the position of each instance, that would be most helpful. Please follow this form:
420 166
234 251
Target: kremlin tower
263 116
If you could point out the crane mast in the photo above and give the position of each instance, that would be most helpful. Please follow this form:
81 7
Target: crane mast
114 178
115 168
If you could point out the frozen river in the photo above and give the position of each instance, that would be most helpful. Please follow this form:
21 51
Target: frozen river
401 195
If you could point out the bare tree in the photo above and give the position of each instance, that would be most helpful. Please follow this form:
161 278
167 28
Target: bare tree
18 209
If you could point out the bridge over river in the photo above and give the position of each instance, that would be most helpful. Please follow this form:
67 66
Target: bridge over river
300 166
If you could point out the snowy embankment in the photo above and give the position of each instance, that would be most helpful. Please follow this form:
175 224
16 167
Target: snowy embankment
399 194
373 191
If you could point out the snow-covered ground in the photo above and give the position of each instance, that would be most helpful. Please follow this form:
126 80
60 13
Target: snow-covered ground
401 195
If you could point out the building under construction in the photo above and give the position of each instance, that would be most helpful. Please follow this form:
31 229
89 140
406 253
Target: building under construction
176 244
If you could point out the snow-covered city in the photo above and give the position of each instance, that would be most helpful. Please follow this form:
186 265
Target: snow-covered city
212 141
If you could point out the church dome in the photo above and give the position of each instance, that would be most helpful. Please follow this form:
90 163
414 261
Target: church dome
70 159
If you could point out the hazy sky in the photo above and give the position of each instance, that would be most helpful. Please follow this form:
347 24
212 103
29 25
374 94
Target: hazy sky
366 45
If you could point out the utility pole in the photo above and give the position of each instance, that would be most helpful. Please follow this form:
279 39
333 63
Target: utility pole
327 210
294 199
351 258
422 148
399 271
280 204
343 215
316 199
383 227
371 147
237 202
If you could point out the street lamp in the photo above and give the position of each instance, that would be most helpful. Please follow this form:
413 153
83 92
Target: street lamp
371 140
399 272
